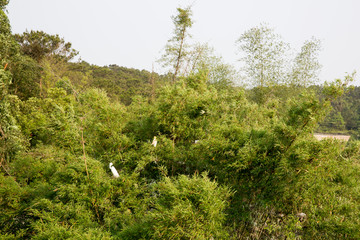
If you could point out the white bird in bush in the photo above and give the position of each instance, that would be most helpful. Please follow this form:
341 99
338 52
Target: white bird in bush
301 216
154 142
113 170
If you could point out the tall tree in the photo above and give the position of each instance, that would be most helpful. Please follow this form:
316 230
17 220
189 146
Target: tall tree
51 53
38 45
202 57
10 136
306 66
8 46
176 49
263 56
267 65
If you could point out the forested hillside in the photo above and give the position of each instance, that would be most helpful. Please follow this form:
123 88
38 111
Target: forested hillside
197 154
344 116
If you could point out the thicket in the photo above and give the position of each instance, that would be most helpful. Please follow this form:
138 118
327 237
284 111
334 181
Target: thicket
226 165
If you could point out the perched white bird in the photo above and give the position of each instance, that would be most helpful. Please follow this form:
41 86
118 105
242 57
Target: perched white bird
113 170
301 216
196 141
154 142
202 112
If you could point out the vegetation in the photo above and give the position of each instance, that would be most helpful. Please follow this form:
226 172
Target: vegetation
230 162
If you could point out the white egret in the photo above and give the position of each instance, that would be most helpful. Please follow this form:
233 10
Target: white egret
154 142
113 170
301 216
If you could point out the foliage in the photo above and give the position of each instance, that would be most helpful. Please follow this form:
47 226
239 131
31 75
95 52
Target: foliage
5 27
306 65
264 56
38 45
11 138
25 72
176 49
268 67
230 163
26 77
3 4
203 58
189 208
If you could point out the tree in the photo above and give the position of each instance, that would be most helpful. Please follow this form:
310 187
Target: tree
11 140
38 45
25 72
50 52
263 56
26 77
3 4
176 49
5 25
306 66
8 47
202 58
267 65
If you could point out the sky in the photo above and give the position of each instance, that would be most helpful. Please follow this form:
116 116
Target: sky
133 33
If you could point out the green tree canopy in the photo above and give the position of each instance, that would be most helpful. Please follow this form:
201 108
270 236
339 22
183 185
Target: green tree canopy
3 4
176 49
263 56
38 45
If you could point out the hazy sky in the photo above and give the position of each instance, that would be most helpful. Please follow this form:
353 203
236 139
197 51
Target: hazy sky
133 33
